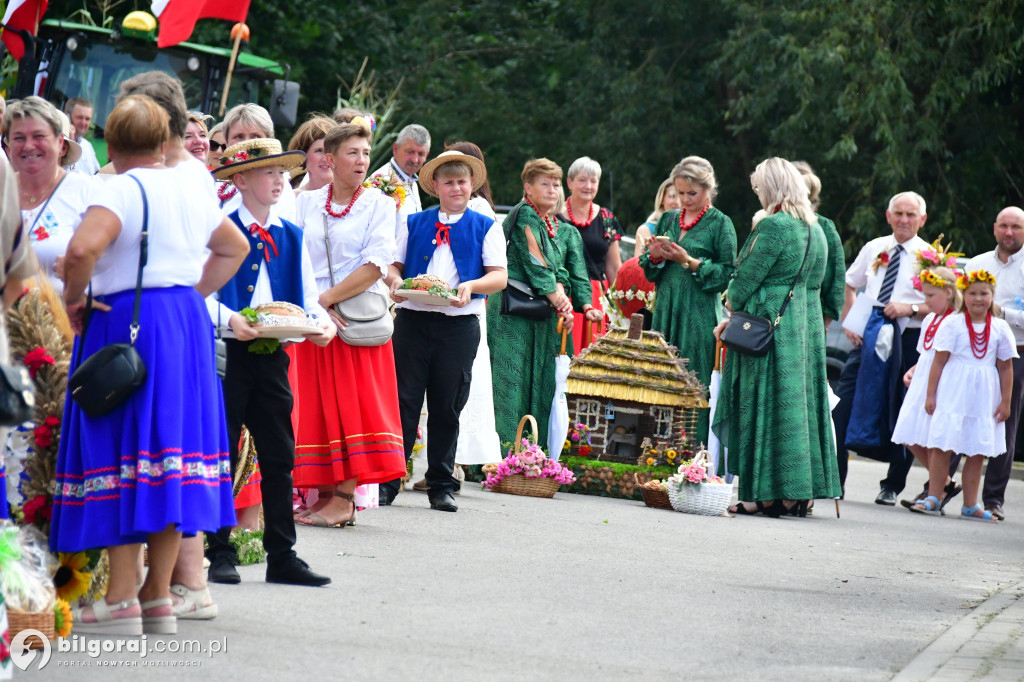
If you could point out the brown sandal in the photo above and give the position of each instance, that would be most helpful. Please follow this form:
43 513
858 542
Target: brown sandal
318 521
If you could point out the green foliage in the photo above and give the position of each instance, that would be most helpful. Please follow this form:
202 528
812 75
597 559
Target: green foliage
616 467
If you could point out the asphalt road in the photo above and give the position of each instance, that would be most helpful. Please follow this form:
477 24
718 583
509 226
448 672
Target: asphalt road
589 588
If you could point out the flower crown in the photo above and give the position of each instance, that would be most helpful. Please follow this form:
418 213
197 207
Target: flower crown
929 277
368 122
967 279
936 256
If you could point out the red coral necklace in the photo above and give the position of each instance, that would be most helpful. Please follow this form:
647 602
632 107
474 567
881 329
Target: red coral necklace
686 227
979 340
226 191
572 218
929 333
330 196
548 222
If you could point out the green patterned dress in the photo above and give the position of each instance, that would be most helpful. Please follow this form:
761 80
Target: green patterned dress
523 351
688 304
772 411
833 285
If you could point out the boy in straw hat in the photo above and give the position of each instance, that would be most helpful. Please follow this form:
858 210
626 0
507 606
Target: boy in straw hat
256 388
435 345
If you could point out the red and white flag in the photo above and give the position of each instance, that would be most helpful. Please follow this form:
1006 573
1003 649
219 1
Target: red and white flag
25 15
178 17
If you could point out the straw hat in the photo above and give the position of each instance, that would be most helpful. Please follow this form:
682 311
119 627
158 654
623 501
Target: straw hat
257 153
74 152
430 167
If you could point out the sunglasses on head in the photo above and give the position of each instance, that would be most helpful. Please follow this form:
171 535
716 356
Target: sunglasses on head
217 146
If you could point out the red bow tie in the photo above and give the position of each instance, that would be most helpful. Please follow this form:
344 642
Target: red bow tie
257 231
442 234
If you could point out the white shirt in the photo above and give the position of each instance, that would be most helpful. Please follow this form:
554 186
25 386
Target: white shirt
50 230
365 235
88 163
181 220
262 293
480 205
442 263
863 273
285 206
1009 285
412 203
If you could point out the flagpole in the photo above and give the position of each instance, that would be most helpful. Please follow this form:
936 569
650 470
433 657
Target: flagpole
242 29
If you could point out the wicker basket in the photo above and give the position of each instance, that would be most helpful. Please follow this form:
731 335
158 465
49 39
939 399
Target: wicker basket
518 484
653 497
42 621
711 499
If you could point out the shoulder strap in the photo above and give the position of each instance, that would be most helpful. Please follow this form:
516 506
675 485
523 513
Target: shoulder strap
796 279
143 258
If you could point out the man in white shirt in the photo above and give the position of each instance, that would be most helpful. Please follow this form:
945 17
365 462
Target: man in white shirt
409 153
1006 263
871 390
79 111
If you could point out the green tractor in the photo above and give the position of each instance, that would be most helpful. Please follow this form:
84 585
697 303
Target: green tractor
76 60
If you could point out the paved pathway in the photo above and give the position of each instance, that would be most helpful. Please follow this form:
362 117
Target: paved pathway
588 588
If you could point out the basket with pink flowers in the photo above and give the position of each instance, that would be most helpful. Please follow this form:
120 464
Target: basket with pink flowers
695 489
526 470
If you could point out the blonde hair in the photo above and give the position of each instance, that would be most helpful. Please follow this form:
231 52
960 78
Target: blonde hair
535 168
778 183
813 183
248 114
949 277
697 171
659 199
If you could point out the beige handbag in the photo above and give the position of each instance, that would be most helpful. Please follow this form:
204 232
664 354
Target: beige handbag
369 320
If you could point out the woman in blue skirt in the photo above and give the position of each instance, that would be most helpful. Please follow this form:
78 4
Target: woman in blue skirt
157 466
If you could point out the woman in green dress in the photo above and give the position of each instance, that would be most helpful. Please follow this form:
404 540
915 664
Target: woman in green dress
833 284
690 259
546 254
772 411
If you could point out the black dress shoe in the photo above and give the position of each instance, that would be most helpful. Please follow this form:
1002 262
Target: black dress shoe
444 502
385 496
222 570
294 571
886 496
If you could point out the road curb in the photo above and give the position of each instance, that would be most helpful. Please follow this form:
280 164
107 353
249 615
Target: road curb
988 640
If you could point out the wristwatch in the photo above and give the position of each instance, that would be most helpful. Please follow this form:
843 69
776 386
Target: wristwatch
915 308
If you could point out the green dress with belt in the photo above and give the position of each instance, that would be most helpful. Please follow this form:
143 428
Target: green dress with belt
523 351
770 412
688 304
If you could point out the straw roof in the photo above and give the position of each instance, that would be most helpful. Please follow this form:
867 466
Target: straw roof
645 370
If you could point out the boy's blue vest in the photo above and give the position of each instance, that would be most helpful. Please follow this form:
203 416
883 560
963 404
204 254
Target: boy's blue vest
285 269
467 242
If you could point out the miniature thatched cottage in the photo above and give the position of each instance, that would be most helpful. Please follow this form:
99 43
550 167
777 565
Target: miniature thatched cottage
628 386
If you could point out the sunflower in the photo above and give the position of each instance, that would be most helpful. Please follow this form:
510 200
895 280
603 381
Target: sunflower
71 580
671 454
650 461
62 618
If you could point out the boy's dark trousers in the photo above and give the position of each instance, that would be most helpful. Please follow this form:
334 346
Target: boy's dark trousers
257 394
433 353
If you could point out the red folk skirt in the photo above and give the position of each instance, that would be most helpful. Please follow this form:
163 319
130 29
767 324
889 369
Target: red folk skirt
251 493
579 324
346 418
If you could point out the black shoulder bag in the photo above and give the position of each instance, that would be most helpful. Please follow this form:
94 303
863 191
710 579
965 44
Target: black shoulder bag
519 298
114 372
752 334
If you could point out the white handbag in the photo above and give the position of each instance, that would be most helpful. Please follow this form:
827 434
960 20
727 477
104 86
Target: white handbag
369 320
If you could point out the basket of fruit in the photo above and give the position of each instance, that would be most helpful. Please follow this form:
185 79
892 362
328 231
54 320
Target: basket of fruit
655 493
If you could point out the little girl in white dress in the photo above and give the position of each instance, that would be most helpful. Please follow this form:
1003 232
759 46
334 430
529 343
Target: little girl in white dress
969 386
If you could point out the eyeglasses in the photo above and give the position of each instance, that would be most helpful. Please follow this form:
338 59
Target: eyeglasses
217 146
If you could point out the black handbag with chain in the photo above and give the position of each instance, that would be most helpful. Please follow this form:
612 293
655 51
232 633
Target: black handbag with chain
752 334
519 298
113 373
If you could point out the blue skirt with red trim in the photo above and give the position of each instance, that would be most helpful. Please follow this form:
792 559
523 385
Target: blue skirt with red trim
3 487
159 459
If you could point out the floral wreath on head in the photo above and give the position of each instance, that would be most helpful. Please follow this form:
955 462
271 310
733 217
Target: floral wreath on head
368 122
241 155
937 256
967 279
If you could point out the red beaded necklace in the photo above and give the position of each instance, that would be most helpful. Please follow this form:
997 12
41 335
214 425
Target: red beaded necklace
685 227
979 340
929 333
590 207
548 222
330 196
226 191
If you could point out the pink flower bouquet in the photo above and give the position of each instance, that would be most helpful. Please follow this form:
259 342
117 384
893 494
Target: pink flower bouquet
531 462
